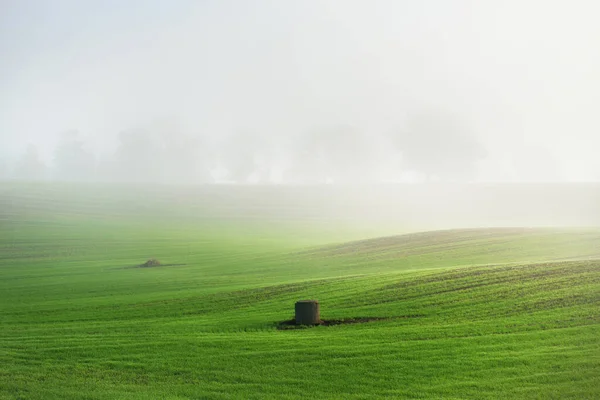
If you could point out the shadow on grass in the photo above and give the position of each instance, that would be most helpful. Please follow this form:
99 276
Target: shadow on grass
291 323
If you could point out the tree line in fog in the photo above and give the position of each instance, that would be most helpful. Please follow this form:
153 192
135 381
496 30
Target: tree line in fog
430 146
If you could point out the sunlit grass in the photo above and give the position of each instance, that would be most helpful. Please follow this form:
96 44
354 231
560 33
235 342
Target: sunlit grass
469 313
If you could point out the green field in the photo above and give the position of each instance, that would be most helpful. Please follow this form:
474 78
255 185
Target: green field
495 312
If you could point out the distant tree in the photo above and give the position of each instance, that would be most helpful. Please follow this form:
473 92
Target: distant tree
30 166
160 153
437 144
349 155
247 156
72 162
339 155
186 158
138 157
307 160
4 170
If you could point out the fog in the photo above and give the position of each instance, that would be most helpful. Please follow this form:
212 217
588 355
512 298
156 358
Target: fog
329 91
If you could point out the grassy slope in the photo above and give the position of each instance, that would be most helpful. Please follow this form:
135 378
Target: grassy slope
78 322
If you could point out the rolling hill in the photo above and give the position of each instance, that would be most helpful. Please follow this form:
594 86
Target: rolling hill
464 313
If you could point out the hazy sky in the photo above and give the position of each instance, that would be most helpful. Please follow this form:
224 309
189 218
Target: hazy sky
523 74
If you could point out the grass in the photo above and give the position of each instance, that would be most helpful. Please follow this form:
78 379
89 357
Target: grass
485 313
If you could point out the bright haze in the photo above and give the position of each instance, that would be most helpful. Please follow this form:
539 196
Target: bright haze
300 91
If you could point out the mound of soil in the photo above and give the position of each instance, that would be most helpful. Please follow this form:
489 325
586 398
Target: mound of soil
153 262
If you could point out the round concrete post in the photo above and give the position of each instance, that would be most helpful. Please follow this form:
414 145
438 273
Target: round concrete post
307 312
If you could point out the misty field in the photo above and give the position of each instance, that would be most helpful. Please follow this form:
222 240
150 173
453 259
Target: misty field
502 312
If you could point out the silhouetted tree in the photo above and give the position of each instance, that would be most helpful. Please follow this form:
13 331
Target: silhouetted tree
161 153
349 156
438 144
72 162
307 159
339 155
246 156
30 166
186 159
4 171
138 157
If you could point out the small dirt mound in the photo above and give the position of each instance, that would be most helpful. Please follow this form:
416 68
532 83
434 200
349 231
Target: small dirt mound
153 262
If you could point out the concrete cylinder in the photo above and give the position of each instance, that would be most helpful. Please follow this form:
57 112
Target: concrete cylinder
307 312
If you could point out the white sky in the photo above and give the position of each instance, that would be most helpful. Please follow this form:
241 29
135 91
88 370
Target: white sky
525 75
